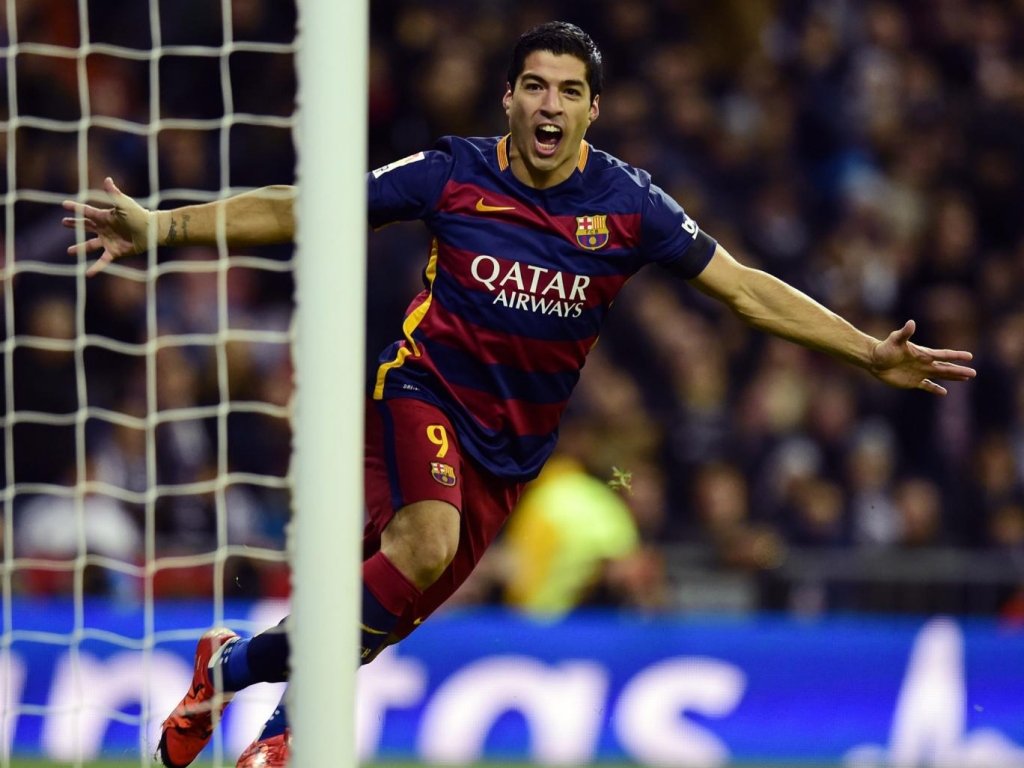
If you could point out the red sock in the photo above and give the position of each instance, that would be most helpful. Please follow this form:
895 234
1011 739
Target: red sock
386 596
393 591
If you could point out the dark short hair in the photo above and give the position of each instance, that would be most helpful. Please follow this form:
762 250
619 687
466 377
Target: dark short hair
558 37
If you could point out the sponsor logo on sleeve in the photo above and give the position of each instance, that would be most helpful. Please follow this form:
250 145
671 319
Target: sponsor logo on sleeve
397 164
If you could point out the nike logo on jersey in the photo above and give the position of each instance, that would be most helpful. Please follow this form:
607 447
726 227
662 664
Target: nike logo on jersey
420 620
485 208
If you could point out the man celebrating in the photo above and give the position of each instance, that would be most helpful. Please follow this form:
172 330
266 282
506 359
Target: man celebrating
534 234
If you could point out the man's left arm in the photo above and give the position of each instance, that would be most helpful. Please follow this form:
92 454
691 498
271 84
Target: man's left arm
764 302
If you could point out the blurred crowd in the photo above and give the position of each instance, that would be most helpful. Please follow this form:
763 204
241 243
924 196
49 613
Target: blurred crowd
869 153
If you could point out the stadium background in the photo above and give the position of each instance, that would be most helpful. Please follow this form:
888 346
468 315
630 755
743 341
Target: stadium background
870 153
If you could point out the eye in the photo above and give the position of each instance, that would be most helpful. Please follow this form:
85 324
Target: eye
574 92
532 86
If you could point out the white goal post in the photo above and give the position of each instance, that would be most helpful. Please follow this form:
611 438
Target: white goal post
333 71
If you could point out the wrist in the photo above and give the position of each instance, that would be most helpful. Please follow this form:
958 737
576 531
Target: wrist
871 358
142 229
158 224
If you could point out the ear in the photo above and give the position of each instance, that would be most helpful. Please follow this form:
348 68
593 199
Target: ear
595 109
506 100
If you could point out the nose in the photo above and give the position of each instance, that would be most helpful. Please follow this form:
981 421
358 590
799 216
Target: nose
552 104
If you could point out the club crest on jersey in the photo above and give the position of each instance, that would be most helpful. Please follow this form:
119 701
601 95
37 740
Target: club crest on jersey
443 473
592 231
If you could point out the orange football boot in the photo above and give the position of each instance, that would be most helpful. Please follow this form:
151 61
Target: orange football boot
189 727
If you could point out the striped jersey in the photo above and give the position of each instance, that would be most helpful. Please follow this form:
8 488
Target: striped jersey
517 285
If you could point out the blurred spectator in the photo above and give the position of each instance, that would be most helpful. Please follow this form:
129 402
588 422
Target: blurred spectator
997 484
62 529
567 526
918 503
872 464
45 383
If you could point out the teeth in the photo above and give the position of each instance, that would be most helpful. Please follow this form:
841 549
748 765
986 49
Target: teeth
550 129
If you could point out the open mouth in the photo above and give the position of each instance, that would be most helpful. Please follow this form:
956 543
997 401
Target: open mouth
547 138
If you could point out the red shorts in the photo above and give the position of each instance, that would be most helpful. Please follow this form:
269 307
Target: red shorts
412 454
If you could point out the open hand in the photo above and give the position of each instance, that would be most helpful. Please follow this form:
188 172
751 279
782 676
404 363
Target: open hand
123 230
898 362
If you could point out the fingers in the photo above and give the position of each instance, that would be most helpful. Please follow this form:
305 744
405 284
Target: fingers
930 386
84 211
71 222
88 211
952 372
950 355
95 220
87 219
93 244
943 363
80 249
111 188
903 334
947 372
100 264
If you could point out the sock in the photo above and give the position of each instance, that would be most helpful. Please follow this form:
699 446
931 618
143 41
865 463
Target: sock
259 659
268 655
386 596
277 722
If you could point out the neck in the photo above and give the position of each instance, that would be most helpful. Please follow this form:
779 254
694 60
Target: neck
536 178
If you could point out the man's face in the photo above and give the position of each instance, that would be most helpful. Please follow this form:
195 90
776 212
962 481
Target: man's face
549 112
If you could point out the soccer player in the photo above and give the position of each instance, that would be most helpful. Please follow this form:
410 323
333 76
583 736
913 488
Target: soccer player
534 233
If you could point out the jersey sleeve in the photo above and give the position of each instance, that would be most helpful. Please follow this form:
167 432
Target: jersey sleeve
671 238
409 188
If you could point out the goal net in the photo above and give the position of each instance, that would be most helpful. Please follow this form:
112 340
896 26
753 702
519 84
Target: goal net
146 424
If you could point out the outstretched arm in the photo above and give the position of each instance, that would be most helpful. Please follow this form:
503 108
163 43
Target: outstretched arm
260 217
768 304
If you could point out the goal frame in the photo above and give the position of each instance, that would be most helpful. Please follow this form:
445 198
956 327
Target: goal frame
330 304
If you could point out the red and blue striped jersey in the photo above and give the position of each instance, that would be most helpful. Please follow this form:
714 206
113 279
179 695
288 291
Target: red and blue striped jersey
517 285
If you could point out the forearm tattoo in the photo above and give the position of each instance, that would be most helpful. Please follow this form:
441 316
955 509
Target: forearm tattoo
173 238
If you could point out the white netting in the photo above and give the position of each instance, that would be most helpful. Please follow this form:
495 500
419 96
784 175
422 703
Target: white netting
146 426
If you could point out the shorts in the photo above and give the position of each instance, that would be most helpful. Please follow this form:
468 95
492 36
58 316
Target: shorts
412 454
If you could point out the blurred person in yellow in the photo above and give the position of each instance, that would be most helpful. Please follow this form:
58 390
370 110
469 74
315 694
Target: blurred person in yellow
565 530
